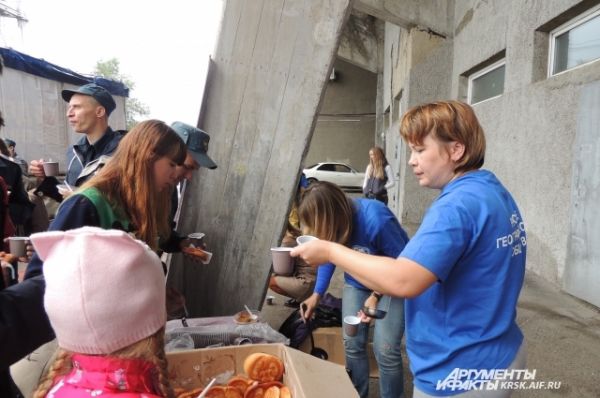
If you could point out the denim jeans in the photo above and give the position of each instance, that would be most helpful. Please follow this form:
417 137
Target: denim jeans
387 337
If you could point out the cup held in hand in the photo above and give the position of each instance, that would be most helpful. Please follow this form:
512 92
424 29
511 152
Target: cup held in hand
197 238
50 168
283 263
351 323
17 245
305 238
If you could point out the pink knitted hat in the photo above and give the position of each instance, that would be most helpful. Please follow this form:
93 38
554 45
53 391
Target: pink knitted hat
104 289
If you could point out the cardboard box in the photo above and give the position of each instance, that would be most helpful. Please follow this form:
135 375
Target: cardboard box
332 341
305 375
329 339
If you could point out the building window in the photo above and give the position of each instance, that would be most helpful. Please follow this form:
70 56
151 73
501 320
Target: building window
487 83
575 43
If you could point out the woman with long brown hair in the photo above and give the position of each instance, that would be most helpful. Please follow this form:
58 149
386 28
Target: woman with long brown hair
365 226
378 177
132 192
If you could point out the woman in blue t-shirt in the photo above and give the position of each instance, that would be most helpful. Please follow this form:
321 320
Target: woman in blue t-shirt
462 271
366 226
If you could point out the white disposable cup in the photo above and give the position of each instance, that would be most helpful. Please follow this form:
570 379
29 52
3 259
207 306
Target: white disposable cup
64 189
50 168
283 263
197 238
17 245
305 238
351 323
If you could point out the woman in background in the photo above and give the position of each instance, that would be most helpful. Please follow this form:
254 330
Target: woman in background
378 177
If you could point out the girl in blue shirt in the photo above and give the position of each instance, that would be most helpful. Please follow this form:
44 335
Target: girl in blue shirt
365 226
463 270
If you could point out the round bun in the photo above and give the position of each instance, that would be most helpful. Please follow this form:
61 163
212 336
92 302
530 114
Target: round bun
265 390
263 367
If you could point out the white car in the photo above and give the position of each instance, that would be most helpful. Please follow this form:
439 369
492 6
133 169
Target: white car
338 173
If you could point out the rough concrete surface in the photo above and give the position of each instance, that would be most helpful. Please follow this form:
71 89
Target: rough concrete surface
562 335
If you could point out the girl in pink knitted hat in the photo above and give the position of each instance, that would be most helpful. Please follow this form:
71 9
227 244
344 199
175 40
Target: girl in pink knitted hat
105 298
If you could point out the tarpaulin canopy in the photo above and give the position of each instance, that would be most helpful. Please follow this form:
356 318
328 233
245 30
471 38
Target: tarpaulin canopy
38 67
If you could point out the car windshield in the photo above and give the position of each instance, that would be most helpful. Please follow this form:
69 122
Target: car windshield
312 166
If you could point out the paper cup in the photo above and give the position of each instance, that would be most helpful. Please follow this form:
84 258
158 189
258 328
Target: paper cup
283 263
17 245
351 323
305 238
197 238
64 189
50 168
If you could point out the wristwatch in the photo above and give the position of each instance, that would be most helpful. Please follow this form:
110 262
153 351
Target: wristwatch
378 296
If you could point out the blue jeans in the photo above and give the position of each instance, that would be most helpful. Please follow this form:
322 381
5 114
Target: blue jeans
386 344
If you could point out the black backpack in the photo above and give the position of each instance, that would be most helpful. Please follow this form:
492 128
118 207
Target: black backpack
327 314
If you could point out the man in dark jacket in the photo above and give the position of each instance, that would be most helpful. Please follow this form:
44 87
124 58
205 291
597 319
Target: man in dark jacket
19 206
14 156
24 325
88 111
196 141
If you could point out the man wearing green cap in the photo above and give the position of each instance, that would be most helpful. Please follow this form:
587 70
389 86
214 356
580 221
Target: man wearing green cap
196 141
88 110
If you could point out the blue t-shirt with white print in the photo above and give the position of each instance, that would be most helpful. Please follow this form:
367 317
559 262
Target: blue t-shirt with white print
375 230
473 239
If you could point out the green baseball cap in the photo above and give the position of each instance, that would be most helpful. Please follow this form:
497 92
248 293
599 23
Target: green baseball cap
95 91
196 141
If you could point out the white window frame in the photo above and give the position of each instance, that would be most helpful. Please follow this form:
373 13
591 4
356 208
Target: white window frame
484 71
567 26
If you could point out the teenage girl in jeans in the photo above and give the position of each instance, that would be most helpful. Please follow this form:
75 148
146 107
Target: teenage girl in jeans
365 226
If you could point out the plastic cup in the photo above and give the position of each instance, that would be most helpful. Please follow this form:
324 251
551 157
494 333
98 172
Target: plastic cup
305 238
270 300
64 189
50 168
351 323
196 238
17 245
283 263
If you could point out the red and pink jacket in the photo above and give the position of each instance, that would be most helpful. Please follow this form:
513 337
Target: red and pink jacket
107 377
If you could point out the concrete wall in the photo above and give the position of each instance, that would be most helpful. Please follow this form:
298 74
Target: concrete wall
346 123
415 70
269 73
530 129
34 114
532 126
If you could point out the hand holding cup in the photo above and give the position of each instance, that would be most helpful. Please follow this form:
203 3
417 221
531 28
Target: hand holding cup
50 168
351 323
36 169
17 245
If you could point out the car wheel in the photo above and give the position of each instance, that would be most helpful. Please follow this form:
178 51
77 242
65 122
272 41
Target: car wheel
311 180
